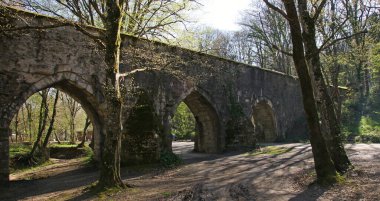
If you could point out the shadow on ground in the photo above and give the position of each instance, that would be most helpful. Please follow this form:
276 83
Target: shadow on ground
232 176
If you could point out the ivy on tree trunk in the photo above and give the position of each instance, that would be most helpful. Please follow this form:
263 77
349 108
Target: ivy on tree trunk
110 167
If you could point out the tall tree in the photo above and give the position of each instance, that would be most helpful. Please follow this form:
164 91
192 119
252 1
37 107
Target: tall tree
52 120
332 134
323 164
43 115
142 18
87 123
270 35
113 21
72 108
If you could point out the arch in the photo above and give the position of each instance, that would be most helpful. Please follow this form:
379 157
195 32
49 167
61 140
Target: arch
141 129
264 121
76 87
208 137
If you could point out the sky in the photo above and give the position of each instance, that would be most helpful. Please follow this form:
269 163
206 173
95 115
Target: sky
222 14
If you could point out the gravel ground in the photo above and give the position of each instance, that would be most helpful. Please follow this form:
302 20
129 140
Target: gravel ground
229 176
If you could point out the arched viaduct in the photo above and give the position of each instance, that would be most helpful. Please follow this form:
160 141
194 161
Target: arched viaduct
234 104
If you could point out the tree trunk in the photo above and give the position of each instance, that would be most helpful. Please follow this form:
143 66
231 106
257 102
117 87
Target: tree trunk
51 125
57 138
72 132
86 125
44 111
16 126
110 167
29 113
24 122
333 133
323 165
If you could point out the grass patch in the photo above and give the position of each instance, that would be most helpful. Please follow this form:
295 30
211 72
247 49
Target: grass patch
270 150
104 193
108 192
328 181
70 152
166 194
19 149
20 159
24 168
63 145
89 155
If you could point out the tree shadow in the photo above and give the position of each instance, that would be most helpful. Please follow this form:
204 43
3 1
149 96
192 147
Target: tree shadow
312 192
244 168
21 189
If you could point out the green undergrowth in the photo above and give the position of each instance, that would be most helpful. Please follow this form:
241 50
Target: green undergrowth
170 160
308 178
20 159
24 166
63 145
269 150
361 119
19 149
102 193
108 192
167 194
333 179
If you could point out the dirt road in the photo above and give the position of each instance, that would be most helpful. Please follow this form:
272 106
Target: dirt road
229 176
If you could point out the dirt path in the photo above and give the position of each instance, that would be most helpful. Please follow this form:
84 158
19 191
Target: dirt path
231 176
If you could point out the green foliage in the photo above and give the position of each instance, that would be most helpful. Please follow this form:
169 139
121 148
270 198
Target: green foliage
369 124
331 179
169 159
363 127
70 152
183 123
20 159
167 194
19 150
63 145
270 150
27 119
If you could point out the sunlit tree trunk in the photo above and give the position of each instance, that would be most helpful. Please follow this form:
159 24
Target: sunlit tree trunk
16 126
324 166
333 133
86 125
52 120
44 111
110 170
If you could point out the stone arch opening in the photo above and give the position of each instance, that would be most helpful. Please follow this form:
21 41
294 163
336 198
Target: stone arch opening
264 121
183 129
73 87
207 125
141 129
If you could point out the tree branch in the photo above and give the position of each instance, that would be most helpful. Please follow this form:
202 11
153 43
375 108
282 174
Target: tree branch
275 8
339 39
319 10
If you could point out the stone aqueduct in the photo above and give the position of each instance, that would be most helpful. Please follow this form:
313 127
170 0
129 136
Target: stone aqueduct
235 104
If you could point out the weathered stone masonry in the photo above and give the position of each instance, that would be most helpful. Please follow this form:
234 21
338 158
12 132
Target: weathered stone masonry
226 97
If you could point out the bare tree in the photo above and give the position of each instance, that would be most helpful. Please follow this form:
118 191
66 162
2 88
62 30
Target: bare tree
270 37
72 108
142 18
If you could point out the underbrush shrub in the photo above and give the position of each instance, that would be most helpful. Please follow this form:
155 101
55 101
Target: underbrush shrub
169 159
368 138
